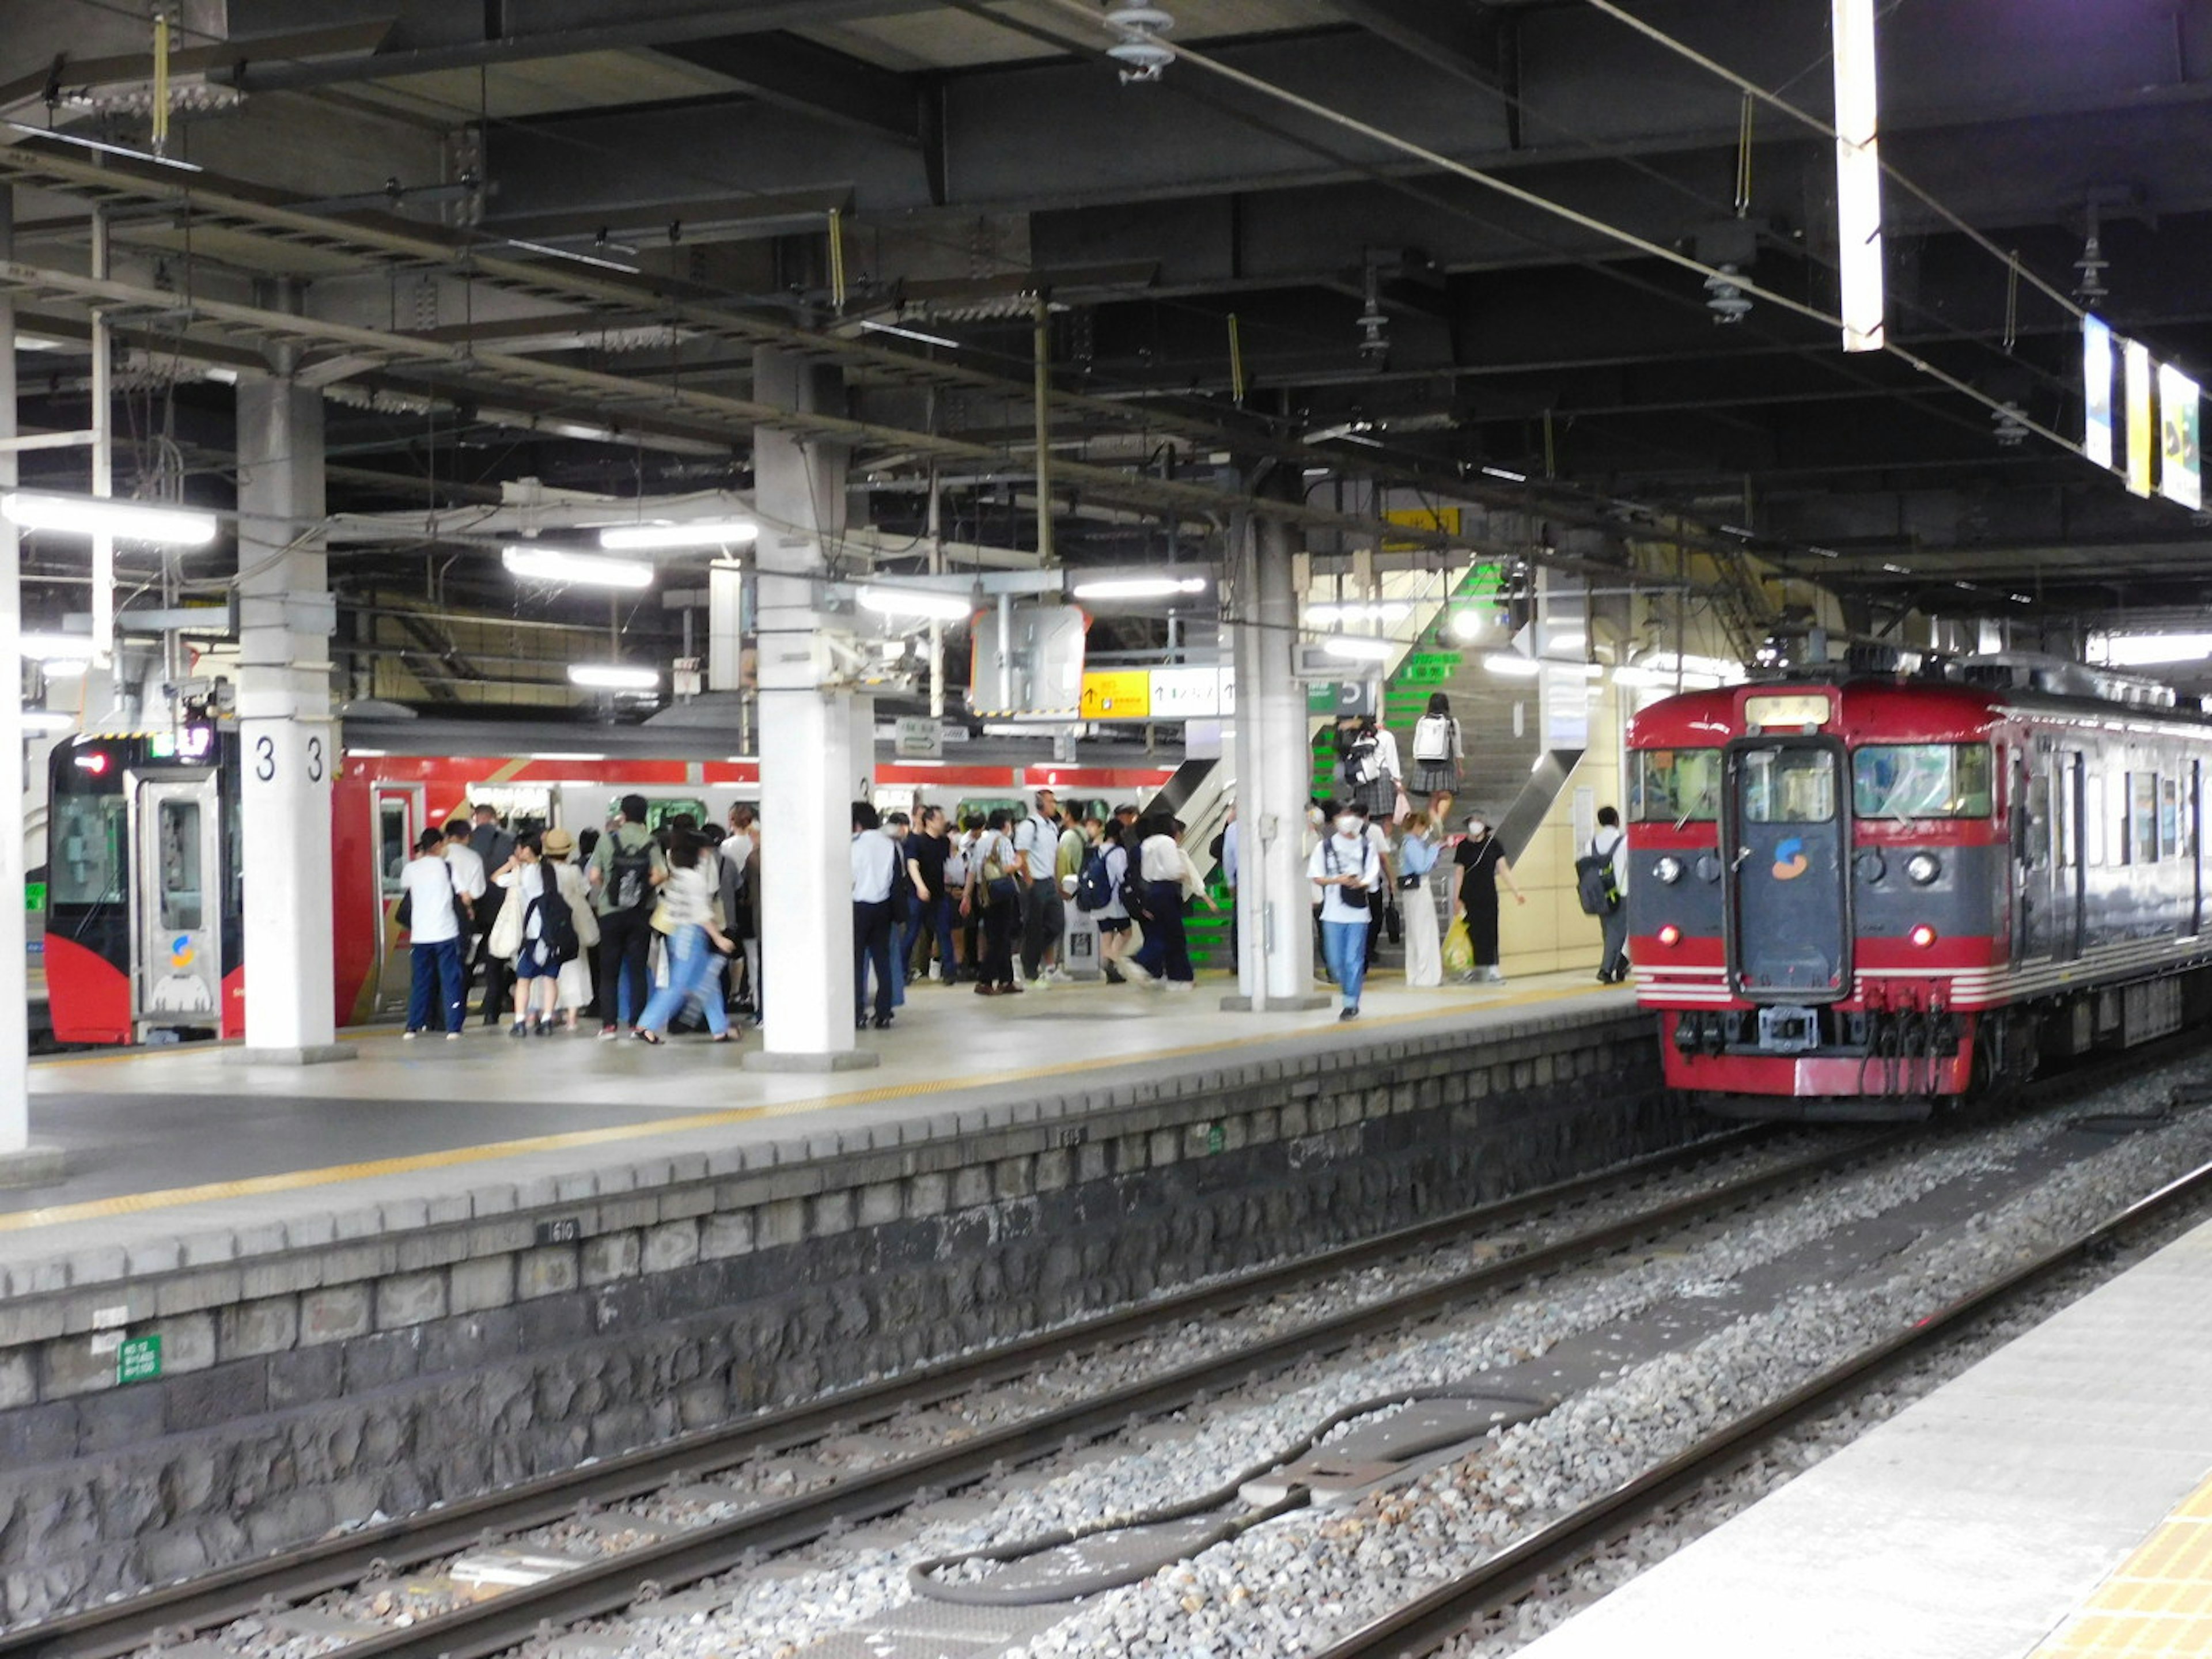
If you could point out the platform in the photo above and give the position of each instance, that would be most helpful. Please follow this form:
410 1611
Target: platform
2052 1501
171 1141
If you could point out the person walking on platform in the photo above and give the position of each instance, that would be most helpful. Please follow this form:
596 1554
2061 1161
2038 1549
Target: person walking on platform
877 867
1417 857
1347 869
927 851
1372 775
1482 865
573 987
1610 844
1037 839
688 891
994 893
626 869
1169 881
436 981
1111 917
1438 751
1381 899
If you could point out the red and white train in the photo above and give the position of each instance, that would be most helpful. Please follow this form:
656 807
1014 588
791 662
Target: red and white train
146 893
1851 899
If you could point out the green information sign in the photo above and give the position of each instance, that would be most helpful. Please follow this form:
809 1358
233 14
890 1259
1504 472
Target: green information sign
138 1360
35 895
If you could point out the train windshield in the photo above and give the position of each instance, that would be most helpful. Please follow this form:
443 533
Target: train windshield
1922 780
1676 786
1789 786
85 849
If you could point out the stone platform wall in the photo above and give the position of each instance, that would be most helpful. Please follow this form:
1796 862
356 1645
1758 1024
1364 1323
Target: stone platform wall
304 1388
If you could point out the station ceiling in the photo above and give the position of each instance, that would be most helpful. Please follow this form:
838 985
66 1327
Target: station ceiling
411 165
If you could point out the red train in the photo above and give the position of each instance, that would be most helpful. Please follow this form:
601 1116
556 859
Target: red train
145 891
1852 898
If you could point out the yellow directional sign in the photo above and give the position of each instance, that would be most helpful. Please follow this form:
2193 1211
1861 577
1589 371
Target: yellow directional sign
1117 695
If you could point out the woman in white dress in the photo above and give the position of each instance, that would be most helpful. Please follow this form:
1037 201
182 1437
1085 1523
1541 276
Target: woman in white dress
1417 857
573 987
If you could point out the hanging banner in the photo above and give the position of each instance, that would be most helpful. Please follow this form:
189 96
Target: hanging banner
2142 431
2097 391
2179 467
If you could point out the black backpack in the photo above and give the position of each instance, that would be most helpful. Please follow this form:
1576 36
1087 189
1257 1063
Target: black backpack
557 925
1360 768
1594 886
629 877
1094 887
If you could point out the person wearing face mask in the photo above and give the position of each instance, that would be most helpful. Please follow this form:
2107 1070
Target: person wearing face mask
1482 865
1347 868
1319 813
1416 856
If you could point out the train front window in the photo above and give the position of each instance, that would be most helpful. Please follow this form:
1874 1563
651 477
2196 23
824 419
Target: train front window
1922 780
181 900
1676 786
85 849
1789 786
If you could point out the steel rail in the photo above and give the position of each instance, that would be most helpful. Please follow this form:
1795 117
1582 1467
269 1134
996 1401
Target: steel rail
1420 1627
123 1627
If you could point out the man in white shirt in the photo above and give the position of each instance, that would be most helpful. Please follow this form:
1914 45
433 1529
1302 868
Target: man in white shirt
1037 839
875 866
1347 869
1610 843
470 876
434 928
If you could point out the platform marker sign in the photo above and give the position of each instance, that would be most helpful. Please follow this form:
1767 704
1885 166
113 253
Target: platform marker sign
138 1359
2142 429
2180 478
2097 391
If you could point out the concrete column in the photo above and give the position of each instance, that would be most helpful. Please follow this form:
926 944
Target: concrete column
1274 908
863 764
21 1164
288 739
808 765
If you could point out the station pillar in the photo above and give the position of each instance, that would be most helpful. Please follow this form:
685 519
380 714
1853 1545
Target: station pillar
1274 777
22 1164
808 763
288 740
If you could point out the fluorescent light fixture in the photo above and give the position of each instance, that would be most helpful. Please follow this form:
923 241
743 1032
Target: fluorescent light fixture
914 602
548 755
555 564
63 668
1506 473
1512 666
2180 475
2142 437
43 722
703 532
1572 639
125 521
2150 650
566 253
613 677
1139 587
1635 674
1858 175
1468 624
1332 616
105 149
2096 363
57 648
914 334
1358 647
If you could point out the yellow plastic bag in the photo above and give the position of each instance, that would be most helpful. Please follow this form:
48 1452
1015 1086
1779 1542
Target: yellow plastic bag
1459 949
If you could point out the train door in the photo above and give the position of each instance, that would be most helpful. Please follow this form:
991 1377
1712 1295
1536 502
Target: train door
2049 869
1789 933
2193 839
399 820
177 943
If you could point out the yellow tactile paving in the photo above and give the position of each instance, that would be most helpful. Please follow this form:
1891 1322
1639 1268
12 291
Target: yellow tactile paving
2158 1602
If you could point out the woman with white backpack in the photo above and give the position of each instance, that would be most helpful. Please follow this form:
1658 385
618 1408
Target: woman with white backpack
1438 751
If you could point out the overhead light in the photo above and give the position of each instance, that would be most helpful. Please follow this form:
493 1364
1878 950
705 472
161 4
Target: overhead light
1570 640
548 755
914 602
1139 587
2149 650
1358 647
1512 666
124 521
703 532
1506 473
1635 674
613 677
63 668
57 648
592 259
1468 624
43 722
1332 616
105 149
915 334
1858 175
555 564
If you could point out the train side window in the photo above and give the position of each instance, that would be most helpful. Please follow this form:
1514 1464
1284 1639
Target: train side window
1789 786
2169 818
1676 785
2142 818
2093 822
1923 781
392 851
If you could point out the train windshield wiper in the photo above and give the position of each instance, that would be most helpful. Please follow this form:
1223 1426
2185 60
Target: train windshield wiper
1696 807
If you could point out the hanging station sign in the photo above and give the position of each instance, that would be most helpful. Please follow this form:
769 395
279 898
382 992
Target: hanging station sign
2142 435
2097 391
2180 477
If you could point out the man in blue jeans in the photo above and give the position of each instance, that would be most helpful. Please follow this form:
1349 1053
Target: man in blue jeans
1347 868
436 983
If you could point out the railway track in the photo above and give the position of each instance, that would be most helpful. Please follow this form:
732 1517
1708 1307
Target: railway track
1421 1626
162 1617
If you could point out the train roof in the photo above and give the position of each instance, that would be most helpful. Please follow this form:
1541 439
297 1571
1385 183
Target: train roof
1930 710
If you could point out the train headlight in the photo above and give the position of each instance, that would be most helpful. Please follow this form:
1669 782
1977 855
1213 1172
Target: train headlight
1668 870
1670 934
1923 936
1923 867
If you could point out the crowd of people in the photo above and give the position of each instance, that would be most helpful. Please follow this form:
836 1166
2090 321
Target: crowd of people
640 929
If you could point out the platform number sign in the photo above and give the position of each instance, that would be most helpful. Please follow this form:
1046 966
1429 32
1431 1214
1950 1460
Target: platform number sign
138 1359
282 750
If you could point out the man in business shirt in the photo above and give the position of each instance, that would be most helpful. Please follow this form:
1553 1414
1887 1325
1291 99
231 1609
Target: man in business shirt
493 847
1036 840
875 866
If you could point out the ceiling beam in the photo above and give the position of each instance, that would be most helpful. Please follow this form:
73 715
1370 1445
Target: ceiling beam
797 75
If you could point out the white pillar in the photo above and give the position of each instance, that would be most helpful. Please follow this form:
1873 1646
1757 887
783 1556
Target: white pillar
287 740
863 761
807 763
1274 908
21 1164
